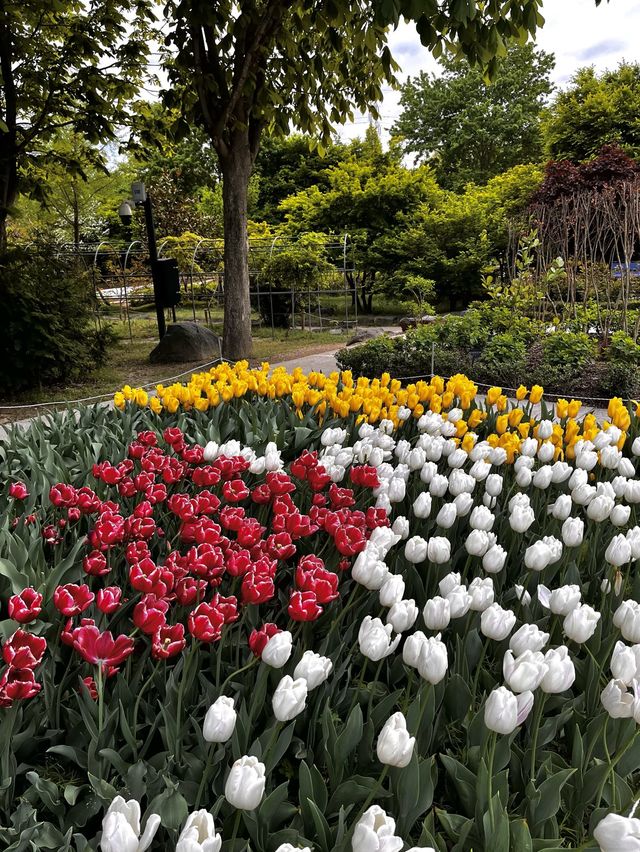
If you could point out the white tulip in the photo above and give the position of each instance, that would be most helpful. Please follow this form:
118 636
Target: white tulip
447 516
580 624
477 543
448 583
395 746
627 619
561 509
600 508
374 639
245 785
524 673
521 519
278 649
463 503
529 637
313 668
537 556
460 601
437 613
375 832
121 827
415 550
392 590
497 623
573 532
620 515
617 833
422 505
433 661
402 615
481 591
504 711
625 662
439 550
220 720
494 559
401 527
290 698
618 552
615 699
199 834
561 672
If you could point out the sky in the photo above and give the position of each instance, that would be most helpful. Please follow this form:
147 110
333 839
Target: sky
576 31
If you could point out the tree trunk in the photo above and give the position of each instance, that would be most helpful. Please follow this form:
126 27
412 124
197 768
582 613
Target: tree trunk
236 169
8 192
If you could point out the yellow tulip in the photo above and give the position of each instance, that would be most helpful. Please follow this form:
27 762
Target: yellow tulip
521 393
536 394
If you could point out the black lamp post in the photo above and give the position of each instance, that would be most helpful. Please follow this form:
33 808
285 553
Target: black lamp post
141 198
126 215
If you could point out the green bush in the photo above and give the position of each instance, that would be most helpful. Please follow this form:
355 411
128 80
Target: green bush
567 351
623 349
47 334
503 360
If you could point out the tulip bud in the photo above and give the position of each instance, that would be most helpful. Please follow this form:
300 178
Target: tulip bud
625 662
529 637
415 550
459 601
448 583
620 515
278 649
627 619
433 662
504 711
199 834
392 590
561 672
402 615
497 623
246 782
220 720
580 624
481 591
395 746
438 550
573 532
494 559
290 698
615 699
437 613
422 505
412 648
560 601
447 516
375 832
537 556
374 639
121 827
525 672
615 833
401 527
463 503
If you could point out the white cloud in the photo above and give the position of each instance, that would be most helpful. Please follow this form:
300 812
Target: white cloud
576 31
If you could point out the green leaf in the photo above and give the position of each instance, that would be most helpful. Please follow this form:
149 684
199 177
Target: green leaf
549 802
351 734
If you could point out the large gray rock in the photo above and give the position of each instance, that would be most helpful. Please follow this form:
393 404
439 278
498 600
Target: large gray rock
186 341
363 334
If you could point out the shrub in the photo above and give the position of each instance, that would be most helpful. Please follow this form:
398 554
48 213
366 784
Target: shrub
46 329
503 360
568 351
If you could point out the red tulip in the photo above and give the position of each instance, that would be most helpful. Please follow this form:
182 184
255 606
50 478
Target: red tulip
350 540
257 588
72 599
340 497
323 583
365 475
149 615
24 650
205 623
235 490
17 685
95 564
62 495
90 683
101 648
168 641
25 606
18 490
190 591
108 599
303 606
227 606
279 483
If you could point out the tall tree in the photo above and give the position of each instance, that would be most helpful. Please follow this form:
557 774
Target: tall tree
64 64
595 110
241 66
471 130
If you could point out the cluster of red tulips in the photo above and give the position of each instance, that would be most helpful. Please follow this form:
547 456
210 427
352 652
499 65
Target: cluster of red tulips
178 546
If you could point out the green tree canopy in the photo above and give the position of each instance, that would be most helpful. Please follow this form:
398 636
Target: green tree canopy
239 67
595 110
471 130
64 64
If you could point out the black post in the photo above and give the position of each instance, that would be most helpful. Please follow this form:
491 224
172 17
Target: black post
153 257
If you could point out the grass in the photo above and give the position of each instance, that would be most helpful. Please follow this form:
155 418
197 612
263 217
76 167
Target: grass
129 360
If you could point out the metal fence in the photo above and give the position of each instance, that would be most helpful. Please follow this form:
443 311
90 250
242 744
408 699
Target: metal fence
121 278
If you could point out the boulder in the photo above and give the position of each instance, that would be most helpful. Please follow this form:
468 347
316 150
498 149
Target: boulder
186 341
362 334
410 322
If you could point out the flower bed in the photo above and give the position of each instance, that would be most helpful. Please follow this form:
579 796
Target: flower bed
410 622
